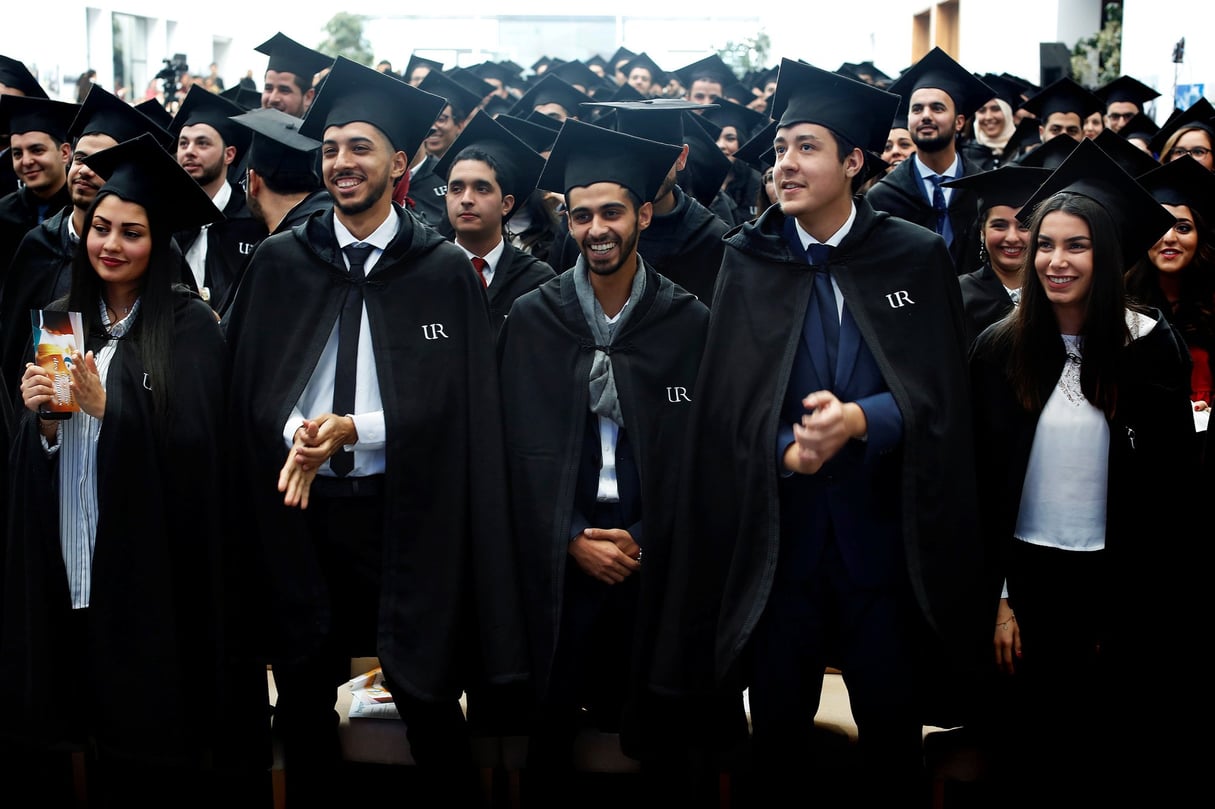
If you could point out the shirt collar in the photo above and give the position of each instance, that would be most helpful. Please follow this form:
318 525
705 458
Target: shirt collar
836 237
491 258
379 239
954 171
223 196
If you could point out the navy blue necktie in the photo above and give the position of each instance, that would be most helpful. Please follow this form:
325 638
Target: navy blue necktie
824 297
342 462
944 226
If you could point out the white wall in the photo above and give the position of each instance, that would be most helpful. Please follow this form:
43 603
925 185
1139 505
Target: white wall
1148 37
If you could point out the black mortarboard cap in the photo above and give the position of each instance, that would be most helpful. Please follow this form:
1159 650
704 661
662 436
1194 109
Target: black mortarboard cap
657 119
30 114
1133 160
621 53
1028 88
585 154
544 62
1139 127
453 92
278 147
157 112
497 105
576 72
625 92
758 152
14 74
1126 88
596 59
1009 185
744 119
416 61
515 69
643 60
711 67
288 56
1064 95
354 92
551 90
539 137
493 70
201 106
243 96
105 113
1138 218
1026 134
1183 181
1198 115
707 167
519 165
1005 89
858 112
899 121
140 171
1050 155
939 71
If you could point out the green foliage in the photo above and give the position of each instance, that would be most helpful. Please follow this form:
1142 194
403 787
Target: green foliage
750 54
1098 59
346 38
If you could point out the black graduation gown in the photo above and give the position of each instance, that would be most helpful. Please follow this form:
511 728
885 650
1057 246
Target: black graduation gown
901 193
448 598
318 200
429 194
743 190
684 245
545 349
154 613
517 273
729 521
230 245
984 300
19 215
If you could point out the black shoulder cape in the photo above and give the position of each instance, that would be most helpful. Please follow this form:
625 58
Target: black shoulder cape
517 273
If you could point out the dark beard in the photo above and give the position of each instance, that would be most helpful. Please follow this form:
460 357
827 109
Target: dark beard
366 204
627 248
934 144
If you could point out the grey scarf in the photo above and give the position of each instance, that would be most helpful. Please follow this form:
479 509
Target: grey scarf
604 400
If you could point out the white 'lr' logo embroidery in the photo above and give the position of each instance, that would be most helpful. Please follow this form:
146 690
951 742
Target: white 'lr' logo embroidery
433 331
677 394
898 300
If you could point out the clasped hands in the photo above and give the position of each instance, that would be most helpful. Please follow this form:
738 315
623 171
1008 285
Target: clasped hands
315 441
607 554
826 426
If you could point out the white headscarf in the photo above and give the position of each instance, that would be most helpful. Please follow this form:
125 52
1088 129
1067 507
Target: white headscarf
997 143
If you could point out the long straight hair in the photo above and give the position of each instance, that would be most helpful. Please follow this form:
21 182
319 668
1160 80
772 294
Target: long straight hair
153 328
1194 315
1037 350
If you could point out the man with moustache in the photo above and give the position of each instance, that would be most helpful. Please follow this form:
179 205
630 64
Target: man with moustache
289 73
208 144
41 269
370 463
16 80
939 94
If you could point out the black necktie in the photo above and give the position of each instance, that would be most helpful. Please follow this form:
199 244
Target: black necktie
944 226
824 297
342 462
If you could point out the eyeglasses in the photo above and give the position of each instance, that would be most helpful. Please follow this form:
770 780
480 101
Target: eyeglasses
1120 116
1197 152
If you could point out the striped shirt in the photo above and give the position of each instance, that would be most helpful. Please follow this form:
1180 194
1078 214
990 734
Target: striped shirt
77 450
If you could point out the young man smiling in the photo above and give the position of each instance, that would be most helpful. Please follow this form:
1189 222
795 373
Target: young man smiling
829 515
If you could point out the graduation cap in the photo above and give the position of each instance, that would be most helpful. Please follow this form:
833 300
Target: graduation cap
596 59
201 106
14 74
1183 181
550 90
1051 154
656 119
544 63
243 96
1005 89
577 73
858 112
538 137
1139 127
105 113
157 112
497 105
940 72
288 56
1064 95
1198 115
1026 135
1133 160
519 165
20 114
140 171
516 70
625 92
1028 88
622 54
277 146
711 68
706 167
744 119
758 152
585 154
462 100
900 116
415 61
1126 89
354 92
642 60
1009 185
1088 171
493 70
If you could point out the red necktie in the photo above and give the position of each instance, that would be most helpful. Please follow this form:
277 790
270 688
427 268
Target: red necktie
481 265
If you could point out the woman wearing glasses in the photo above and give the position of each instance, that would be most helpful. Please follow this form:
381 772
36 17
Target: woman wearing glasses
1192 132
